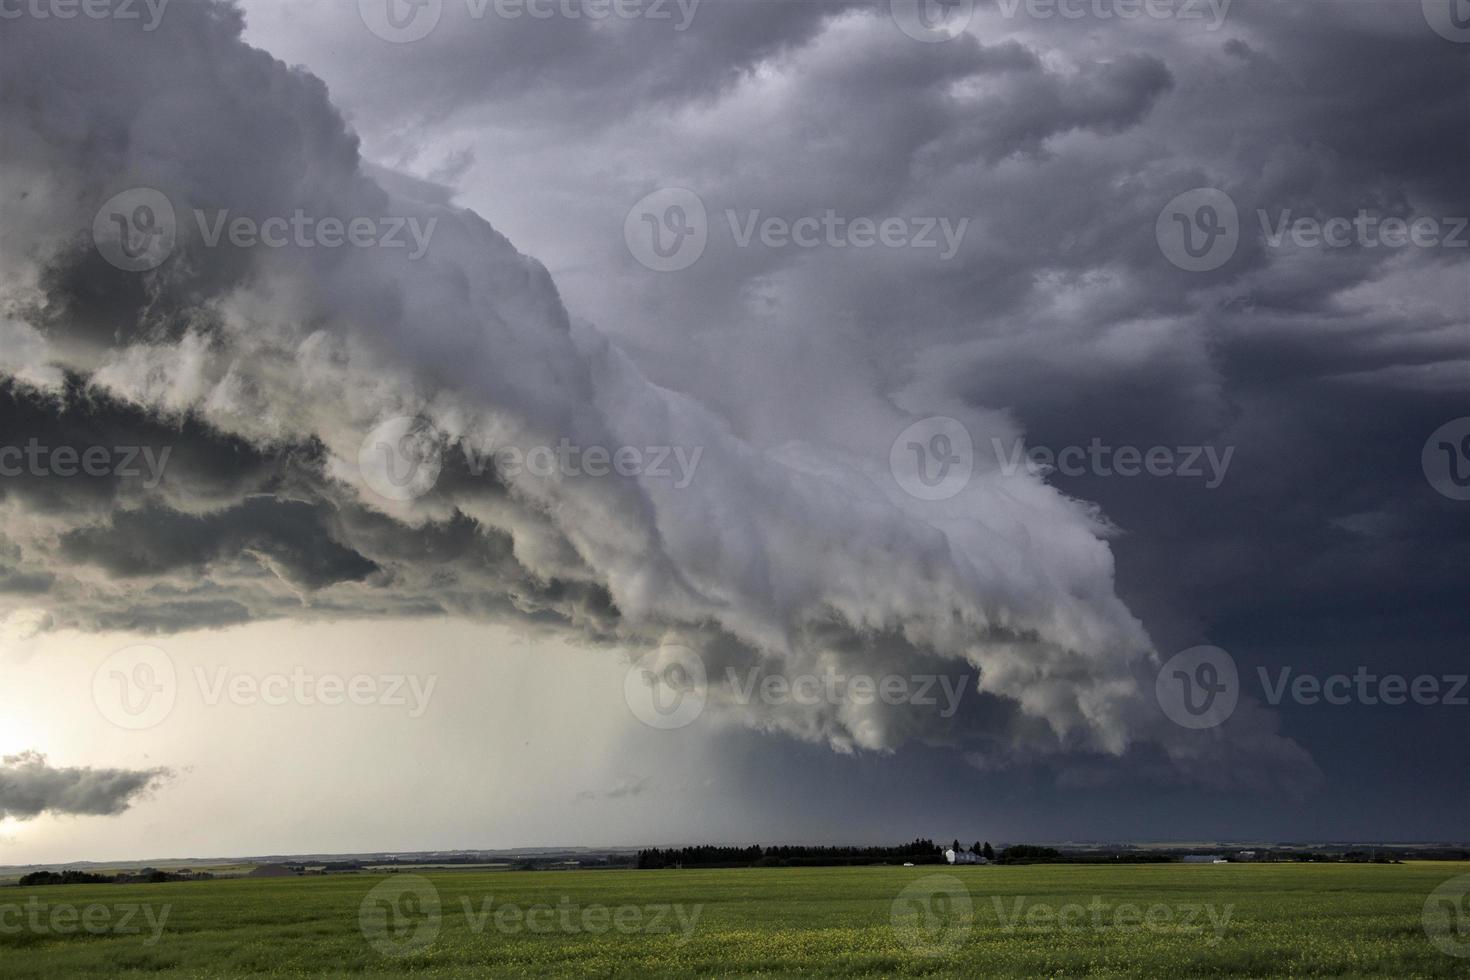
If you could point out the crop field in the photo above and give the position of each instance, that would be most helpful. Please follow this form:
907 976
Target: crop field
1238 920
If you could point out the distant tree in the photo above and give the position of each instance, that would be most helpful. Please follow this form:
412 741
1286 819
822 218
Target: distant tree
956 845
919 851
989 852
975 848
63 878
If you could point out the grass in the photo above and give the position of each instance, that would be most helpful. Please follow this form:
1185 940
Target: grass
1249 921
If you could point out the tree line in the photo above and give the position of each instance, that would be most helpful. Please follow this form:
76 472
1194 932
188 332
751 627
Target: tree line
149 876
918 851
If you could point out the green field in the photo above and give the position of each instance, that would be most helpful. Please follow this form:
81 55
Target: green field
1146 920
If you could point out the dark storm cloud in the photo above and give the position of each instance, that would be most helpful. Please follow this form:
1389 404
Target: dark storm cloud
30 786
302 353
286 535
140 452
1325 370
234 532
1058 317
588 68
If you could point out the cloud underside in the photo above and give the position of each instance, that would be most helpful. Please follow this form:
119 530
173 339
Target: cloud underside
263 371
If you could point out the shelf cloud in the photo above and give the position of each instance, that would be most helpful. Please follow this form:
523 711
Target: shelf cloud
260 391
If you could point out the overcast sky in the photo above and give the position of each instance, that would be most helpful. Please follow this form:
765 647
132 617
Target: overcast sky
999 352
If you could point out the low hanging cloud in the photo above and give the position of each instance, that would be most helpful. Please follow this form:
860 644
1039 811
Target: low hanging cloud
265 371
30 786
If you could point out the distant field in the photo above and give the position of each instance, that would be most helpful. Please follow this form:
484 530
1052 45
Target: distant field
1150 920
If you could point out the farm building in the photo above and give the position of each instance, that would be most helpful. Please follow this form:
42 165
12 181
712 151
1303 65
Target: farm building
1204 859
963 857
271 871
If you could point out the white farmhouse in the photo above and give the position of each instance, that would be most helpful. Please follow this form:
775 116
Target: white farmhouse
964 857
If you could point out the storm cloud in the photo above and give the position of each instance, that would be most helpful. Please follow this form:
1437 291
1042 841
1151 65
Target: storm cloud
30 786
792 371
